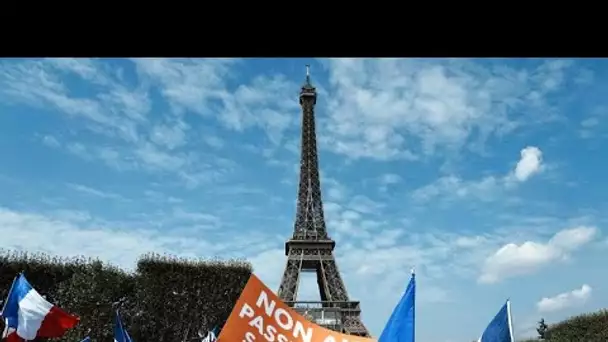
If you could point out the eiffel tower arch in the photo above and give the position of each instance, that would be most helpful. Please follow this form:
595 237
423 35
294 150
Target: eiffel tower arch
310 247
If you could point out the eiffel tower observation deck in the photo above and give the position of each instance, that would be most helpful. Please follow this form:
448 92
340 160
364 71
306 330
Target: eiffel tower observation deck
310 248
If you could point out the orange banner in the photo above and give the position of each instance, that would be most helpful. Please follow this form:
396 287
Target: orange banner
259 315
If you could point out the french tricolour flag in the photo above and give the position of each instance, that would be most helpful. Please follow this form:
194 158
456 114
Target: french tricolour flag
27 315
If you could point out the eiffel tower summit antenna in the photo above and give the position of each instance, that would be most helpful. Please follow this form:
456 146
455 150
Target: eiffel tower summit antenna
310 248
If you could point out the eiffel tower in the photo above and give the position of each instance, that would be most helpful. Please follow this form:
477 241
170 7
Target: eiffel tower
310 249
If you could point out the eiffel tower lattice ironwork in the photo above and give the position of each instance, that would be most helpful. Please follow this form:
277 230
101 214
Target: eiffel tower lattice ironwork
310 248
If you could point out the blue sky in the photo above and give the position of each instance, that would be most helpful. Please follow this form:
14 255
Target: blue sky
485 175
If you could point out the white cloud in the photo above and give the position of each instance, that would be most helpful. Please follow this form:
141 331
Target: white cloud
364 204
590 122
374 108
513 260
381 108
199 86
453 187
170 136
121 243
469 241
565 300
592 125
187 84
335 190
529 164
96 192
268 103
389 178
487 188
118 112
50 141
85 68
213 141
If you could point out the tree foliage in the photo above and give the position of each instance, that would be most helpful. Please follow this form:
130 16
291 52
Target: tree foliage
588 327
542 329
165 299
591 327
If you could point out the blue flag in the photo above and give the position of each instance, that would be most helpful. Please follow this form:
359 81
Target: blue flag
86 339
120 334
500 328
401 325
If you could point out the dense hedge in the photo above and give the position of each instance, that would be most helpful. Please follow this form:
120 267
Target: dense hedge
591 327
166 299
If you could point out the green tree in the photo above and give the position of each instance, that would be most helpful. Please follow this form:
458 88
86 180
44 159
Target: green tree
542 329
165 299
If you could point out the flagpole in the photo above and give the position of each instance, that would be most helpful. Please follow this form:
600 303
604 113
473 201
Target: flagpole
509 319
5 332
9 295
414 306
